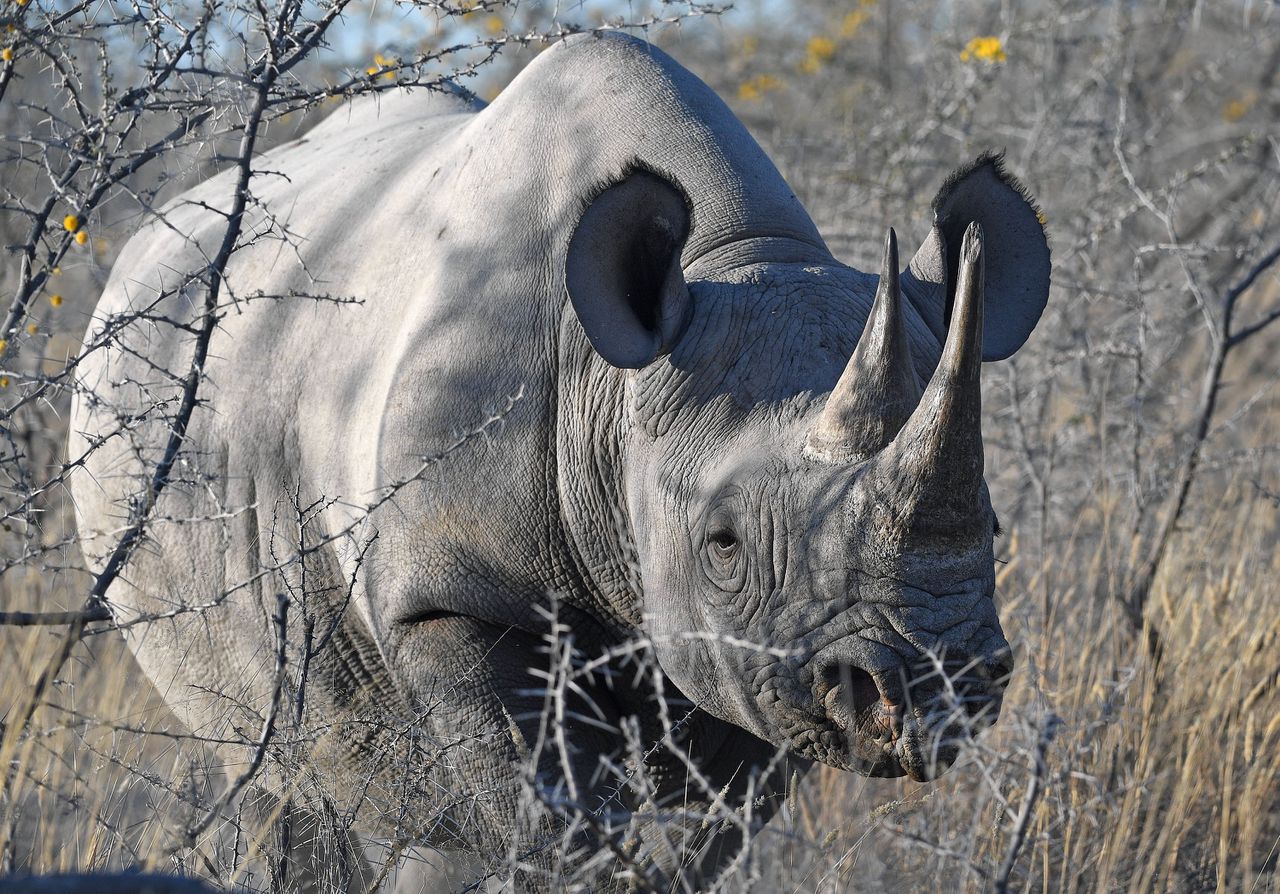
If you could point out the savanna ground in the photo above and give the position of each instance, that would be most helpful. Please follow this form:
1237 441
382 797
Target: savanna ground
1131 444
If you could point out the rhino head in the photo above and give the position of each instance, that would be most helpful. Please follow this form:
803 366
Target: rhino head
802 467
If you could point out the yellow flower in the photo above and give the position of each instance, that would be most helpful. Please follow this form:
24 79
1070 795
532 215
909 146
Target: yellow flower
4 381
758 86
7 54
32 329
57 271
985 49
821 48
379 63
71 223
1041 218
817 52
100 244
4 346
494 25
55 300
1238 108
81 237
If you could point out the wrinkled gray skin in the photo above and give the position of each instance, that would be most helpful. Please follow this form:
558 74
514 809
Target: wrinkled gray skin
607 242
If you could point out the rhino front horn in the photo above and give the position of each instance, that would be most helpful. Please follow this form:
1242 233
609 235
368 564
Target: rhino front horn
878 389
935 463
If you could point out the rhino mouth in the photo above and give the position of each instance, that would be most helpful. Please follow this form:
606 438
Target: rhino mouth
878 729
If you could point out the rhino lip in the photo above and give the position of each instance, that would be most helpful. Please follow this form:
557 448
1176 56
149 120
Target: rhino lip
912 758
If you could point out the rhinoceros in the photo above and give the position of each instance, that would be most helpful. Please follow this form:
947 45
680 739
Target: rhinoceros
574 365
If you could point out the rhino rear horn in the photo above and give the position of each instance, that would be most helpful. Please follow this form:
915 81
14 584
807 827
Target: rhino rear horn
878 390
623 272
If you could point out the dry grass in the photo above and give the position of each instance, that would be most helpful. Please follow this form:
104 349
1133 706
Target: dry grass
1161 778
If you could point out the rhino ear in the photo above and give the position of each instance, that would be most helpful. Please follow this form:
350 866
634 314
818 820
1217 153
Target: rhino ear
623 270
1017 256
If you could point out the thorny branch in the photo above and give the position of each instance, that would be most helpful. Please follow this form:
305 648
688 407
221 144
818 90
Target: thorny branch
1224 338
1035 786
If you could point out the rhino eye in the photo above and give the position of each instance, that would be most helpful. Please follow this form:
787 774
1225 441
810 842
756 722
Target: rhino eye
723 559
723 542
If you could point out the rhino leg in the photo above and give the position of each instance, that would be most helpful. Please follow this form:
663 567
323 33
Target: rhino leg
297 851
479 692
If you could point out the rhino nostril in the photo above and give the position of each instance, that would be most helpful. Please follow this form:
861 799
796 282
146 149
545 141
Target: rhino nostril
853 700
855 688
